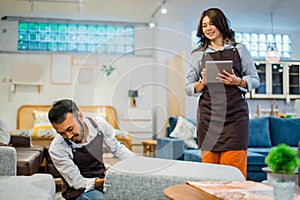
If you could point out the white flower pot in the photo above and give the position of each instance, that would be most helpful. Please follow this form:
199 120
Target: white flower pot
282 177
283 190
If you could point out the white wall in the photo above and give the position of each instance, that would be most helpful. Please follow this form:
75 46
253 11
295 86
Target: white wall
146 71
131 72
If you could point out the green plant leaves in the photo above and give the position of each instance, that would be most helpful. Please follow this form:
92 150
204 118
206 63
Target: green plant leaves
282 159
108 70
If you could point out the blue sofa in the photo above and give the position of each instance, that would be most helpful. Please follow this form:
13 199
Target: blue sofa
264 133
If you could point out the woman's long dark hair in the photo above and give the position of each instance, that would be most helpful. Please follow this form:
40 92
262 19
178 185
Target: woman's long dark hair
218 19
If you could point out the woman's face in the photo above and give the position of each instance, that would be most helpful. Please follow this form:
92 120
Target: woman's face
210 30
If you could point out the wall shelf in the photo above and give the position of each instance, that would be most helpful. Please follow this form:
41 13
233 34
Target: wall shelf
27 74
38 87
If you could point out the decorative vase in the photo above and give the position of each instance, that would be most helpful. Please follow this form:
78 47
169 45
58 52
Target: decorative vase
283 190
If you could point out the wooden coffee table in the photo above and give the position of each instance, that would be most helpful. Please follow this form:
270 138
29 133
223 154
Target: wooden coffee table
185 191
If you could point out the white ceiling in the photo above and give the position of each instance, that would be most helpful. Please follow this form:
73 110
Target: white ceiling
253 14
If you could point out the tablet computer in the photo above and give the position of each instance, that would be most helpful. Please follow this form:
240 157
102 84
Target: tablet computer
215 67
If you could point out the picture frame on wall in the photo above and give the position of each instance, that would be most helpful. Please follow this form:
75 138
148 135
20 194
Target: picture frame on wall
85 76
61 69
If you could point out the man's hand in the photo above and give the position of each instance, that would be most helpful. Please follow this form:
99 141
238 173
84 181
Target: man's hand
99 182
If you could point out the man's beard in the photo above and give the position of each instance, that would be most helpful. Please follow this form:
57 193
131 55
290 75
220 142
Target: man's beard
79 137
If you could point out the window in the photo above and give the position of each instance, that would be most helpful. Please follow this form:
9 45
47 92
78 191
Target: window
69 37
257 43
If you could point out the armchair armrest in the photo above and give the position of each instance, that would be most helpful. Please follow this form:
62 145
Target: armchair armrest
8 161
170 148
126 142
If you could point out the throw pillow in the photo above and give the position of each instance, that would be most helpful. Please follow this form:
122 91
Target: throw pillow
44 131
95 115
259 132
285 130
185 130
41 118
4 131
21 132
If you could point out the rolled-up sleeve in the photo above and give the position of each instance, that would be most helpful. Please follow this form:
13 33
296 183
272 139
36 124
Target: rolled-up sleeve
193 74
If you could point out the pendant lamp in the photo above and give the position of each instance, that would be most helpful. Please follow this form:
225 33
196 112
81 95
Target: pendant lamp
272 53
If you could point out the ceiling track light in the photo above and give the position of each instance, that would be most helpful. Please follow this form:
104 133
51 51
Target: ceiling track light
161 7
152 24
163 10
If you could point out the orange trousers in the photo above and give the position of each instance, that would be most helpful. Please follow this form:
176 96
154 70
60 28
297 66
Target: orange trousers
236 158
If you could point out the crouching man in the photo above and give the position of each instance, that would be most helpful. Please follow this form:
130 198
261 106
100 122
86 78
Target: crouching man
77 150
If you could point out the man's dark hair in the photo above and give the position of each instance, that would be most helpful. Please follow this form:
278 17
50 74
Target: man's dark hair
60 109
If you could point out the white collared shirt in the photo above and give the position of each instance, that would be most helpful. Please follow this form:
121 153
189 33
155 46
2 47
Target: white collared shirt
62 155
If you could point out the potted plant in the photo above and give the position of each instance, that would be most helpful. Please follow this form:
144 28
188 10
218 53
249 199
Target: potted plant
283 161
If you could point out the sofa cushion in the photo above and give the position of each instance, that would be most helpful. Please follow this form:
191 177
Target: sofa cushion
259 134
255 163
285 131
260 150
186 131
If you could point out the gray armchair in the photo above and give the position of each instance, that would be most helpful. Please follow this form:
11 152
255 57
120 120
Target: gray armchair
8 164
35 187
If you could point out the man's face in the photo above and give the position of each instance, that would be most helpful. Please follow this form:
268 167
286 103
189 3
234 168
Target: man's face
71 128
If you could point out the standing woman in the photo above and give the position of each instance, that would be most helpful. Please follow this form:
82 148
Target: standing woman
222 116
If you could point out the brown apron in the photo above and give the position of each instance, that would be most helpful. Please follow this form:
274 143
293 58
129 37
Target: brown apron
222 110
89 160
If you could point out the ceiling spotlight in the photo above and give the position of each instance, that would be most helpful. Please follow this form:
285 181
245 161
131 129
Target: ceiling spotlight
152 25
163 11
